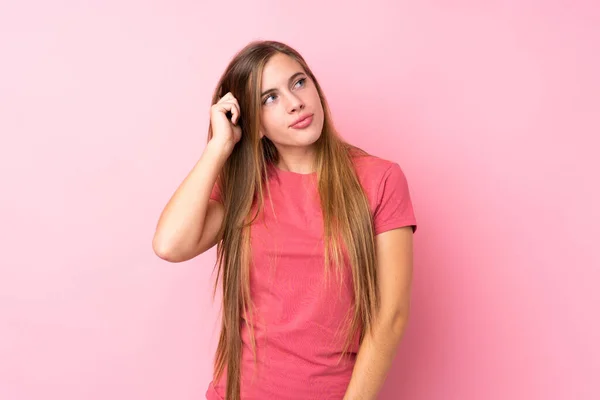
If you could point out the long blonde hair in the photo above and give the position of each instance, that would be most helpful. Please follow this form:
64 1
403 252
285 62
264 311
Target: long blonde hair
348 225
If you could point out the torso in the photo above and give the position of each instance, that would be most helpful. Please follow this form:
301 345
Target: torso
298 317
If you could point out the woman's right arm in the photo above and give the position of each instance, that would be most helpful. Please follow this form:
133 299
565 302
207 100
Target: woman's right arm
190 222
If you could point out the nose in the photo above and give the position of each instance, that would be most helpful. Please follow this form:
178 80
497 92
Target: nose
295 103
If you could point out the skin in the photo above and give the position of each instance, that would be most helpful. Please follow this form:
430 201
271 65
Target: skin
289 94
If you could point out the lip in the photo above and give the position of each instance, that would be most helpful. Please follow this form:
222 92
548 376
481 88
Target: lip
302 122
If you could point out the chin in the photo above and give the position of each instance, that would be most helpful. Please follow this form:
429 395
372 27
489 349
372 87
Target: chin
311 137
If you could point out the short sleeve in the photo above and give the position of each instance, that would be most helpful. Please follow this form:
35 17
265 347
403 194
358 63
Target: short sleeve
216 193
394 207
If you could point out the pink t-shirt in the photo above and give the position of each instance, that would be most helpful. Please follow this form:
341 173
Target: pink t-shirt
296 314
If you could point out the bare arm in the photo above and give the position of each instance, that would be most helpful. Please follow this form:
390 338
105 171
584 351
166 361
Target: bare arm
378 349
191 221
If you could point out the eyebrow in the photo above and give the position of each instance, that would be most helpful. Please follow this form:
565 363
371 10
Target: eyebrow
289 81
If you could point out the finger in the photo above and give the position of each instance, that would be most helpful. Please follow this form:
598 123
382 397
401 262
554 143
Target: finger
228 96
229 106
235 112
234 107
237 130
223 106
235 116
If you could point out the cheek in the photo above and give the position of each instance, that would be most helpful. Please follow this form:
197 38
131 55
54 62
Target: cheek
270 122
316 100
278 117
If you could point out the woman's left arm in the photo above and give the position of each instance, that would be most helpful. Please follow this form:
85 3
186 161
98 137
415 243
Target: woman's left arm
394 250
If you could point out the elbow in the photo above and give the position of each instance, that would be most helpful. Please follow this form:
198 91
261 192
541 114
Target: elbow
398 326
164 250
395 323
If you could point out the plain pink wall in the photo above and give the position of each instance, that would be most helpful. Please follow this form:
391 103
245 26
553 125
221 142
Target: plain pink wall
492 109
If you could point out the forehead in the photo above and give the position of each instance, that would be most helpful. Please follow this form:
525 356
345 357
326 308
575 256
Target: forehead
278 70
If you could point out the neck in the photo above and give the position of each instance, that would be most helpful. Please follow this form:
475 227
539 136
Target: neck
300 161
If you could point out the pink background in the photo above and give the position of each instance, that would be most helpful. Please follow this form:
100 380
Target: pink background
492 109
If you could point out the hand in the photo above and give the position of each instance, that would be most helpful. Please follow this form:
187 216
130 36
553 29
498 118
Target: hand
226 132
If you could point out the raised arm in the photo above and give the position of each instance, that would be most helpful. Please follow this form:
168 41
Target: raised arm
191 221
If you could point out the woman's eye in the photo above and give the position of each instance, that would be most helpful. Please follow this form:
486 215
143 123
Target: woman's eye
301 82
266 100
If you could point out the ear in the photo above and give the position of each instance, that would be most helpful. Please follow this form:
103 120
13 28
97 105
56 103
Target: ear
261 134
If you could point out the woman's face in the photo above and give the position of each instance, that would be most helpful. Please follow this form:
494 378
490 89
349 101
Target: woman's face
289 96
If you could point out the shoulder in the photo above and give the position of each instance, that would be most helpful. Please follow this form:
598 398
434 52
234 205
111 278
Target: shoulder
387 190
373 171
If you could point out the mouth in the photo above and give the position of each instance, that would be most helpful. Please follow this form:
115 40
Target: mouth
302 122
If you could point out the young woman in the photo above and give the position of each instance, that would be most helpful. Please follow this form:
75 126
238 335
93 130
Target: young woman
314 238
